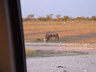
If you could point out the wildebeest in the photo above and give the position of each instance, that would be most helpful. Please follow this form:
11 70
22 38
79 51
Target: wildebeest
50 35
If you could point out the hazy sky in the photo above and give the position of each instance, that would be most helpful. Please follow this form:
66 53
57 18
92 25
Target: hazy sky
71 8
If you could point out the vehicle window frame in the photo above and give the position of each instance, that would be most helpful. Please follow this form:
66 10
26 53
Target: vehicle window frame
17 34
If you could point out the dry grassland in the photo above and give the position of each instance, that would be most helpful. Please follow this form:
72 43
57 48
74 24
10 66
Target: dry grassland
69 31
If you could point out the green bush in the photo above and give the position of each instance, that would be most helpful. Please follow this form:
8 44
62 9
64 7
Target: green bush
39 39
66 18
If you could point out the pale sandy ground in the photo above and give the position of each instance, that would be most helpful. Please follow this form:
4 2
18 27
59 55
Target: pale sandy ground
77 63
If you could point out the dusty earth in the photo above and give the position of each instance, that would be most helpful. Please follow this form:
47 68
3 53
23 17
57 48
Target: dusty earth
75 63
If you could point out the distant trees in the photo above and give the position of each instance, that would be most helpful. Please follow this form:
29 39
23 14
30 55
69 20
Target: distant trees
29 17
93 18
41 18
77 18
49 17
81 18
58 17
87 18
65 18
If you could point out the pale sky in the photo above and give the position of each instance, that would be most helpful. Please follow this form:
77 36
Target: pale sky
72 8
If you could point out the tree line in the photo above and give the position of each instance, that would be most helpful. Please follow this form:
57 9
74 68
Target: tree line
49 17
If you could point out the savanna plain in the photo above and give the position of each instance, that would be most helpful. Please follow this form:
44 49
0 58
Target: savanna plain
75 51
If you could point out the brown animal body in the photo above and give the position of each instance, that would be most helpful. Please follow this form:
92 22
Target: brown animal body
50 35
